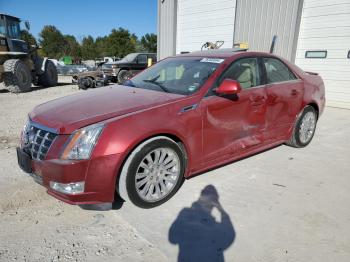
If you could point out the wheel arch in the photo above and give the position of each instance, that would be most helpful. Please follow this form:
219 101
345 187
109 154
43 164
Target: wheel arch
123 68
315 106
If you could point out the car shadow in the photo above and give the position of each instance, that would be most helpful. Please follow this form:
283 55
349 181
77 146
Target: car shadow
199 235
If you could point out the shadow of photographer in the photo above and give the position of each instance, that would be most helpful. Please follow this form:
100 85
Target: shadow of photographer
199 235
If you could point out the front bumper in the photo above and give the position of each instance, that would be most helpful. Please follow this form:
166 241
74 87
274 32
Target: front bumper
99 175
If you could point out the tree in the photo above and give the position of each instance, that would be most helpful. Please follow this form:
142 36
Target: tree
28 37
101 46
149 43
71 47
52 42
120 42
88 48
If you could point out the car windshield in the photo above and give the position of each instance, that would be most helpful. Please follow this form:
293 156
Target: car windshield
2 27
129 58
179 75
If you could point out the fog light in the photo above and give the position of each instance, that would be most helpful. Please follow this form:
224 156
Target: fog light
70 189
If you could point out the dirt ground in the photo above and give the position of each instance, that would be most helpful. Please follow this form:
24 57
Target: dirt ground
284 204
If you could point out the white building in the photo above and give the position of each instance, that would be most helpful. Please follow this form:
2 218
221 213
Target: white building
315 34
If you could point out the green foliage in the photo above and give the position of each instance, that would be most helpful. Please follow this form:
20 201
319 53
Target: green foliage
149 43
118 43
101 46
88 48
52 42
28 37
71 47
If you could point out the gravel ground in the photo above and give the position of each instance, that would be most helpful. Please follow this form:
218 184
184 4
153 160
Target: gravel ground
285 204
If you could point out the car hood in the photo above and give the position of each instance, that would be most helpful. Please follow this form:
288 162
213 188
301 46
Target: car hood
90 73
72 112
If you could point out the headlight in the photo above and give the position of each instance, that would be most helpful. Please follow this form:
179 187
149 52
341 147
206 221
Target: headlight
82 142
24 137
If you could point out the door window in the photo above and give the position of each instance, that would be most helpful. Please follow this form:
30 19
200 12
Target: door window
142 59
276 71
245 71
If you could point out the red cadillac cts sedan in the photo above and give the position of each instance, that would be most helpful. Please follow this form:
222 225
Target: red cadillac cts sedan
182 116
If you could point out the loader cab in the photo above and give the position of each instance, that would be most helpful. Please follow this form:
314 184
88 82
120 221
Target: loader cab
10 35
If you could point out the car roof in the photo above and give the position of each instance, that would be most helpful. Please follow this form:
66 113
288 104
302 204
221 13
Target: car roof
144 53
221 53
11 16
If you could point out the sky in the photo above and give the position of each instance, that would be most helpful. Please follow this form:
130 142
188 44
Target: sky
85 17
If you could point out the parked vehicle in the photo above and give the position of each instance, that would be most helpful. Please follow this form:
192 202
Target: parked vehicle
130 65
180 117
20 64
91 79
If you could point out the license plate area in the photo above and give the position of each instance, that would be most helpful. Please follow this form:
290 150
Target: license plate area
24 161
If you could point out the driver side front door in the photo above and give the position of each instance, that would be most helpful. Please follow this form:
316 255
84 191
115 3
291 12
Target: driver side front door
232 124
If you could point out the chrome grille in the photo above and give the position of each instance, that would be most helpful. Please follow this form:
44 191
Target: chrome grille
38 142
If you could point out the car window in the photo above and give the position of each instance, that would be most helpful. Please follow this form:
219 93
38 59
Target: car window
245 71
153 57
180 75
277 71
142 59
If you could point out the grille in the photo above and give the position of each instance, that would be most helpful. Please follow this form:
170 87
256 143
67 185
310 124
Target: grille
38 142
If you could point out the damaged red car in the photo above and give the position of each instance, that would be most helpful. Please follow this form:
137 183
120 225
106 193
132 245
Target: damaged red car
182 116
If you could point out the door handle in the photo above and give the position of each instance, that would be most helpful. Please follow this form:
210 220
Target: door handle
294 92
257 101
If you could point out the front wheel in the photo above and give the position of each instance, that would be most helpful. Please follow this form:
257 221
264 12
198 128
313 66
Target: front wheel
17 77
123 75
304 128
153 173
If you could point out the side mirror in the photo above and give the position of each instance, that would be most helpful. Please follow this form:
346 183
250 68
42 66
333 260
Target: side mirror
27 24
229 87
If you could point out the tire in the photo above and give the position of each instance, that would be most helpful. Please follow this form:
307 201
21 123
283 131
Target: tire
304 128
17 76
49 77
161 182
86 82
123 75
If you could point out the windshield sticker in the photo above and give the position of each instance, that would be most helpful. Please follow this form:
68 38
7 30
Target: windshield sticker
212 60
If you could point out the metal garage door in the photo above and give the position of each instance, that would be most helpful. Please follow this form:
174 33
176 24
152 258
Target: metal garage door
258 20
199 21
325 29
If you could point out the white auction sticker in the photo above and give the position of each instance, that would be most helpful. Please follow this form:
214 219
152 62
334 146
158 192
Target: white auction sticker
212 60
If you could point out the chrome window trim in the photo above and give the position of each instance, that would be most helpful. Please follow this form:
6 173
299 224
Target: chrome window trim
42 127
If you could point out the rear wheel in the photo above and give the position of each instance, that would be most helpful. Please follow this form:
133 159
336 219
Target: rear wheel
17 76
153 173
304 129
49 77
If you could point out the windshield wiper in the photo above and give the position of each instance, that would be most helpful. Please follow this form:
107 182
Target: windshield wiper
154 81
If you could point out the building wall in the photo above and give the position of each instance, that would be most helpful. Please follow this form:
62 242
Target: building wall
257 21
200 21
325 25
300 25
166 42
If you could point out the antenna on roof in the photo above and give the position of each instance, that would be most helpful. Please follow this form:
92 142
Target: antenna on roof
272 48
